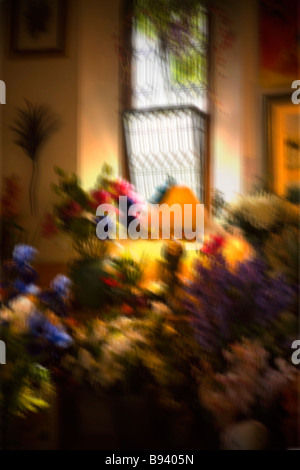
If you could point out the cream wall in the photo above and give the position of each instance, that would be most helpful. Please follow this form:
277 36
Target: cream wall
83 88
98 75
235 107
53 81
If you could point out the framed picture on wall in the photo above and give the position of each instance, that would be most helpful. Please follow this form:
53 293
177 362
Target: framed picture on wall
38 27
278 47
282 142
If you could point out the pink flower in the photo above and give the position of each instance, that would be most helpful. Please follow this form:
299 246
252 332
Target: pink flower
122 187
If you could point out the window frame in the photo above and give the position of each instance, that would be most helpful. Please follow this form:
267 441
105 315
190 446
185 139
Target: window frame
125 76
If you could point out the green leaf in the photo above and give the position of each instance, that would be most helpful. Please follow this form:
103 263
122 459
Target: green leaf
60 172
80 227
56 189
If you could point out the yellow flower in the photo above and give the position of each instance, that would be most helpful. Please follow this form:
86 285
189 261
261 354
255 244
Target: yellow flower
170 330
236 250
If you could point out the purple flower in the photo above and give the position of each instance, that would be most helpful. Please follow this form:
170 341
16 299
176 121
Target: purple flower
225 305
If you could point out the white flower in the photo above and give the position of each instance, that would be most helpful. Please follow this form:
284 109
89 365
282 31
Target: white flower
122 323
262 211
99 332
22 306
160 308
119 344
32 289
6 314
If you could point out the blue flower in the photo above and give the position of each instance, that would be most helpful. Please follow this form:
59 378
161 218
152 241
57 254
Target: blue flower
61 285
56 335
20 287
24 254
24 288
32 289
56 297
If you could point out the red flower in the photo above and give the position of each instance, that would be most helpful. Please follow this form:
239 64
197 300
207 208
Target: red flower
11 196
70 322
111 282
127 309
99 196
70 210
213 245
49 228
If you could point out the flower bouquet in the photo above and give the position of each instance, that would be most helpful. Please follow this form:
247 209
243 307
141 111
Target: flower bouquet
25 386
75 212
251 385
33 312
226 304
243 321
261 215
75 215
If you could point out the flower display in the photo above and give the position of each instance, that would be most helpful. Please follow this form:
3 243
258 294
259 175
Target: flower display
24 318
120 284
134 354
212 346
283 253
75 212
224 303
27 309
262 214
25 386
249 385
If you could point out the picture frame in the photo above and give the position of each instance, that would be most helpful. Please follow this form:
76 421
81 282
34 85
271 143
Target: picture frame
281 142
38 28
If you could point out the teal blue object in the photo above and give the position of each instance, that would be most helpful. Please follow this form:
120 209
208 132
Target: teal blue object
160 191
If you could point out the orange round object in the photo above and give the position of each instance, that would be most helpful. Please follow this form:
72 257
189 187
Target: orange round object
181 196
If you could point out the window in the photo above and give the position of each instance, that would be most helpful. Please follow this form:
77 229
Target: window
166 127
